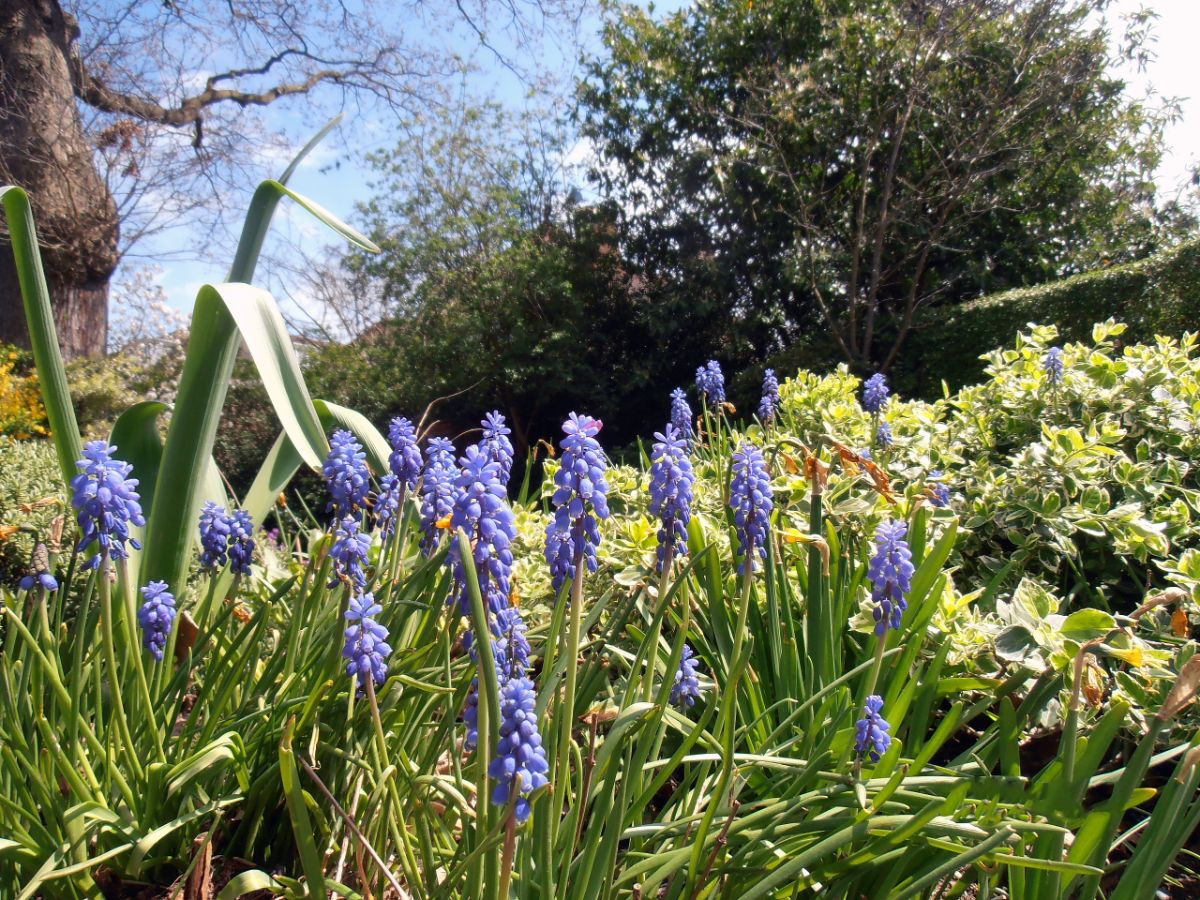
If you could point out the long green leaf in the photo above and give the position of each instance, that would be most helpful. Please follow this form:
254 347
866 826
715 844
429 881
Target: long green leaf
293 795
39 315
135 435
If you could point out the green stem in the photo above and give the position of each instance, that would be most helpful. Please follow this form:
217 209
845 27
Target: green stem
729 723
114 679
410 858
571 655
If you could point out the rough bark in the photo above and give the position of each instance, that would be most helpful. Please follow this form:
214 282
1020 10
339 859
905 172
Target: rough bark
43 148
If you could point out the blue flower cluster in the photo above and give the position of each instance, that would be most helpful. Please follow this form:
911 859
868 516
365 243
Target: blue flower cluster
405 460
497 445
681 414
437 490
580 497
875 393
671 481
871 731
769 404
883 436
711 382
520 765
938 490
226 538
387 504
156 616
891 573
241 542
39 575
214 536
686 690
346 476
1052 364
751 498
511 646
349 553
366 649
510 654
107 503
481 510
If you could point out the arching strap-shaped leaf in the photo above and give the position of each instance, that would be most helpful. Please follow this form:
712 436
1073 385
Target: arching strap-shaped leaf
224 315
39 316
262 328
135 435
274 475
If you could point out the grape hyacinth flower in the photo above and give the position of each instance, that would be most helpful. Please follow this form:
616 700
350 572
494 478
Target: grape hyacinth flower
875 393
156 617
481 510
349 553
519 766
405 461
686 690
891 573
39 575
671 480
580 497
711 382
346 476
770 397
366 649
510 654
387 504
241 541
883 436
560 554
751 498
511 647
214 536
871 731
107 503
1052 364
437 490
471 716
497 445
939 491
681 414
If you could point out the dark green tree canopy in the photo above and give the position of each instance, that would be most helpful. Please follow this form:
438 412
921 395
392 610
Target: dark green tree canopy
501 289
827 170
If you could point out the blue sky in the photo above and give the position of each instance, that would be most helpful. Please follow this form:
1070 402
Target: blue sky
336 179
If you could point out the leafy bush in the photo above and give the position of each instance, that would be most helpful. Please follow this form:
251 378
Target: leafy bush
21 412
104 387
1080 486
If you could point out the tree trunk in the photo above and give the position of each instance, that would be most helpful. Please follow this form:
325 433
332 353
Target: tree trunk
43 148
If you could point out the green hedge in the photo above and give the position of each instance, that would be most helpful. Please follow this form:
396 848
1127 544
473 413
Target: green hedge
1156 295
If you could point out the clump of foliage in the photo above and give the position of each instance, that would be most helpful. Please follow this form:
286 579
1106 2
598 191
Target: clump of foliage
22 415
1081 483
31 498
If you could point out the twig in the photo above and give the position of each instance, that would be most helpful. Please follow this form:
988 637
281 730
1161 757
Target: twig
337 807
